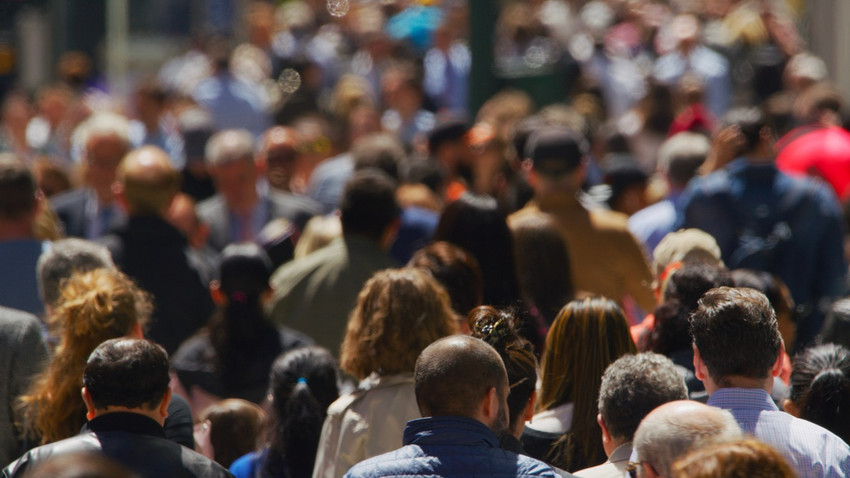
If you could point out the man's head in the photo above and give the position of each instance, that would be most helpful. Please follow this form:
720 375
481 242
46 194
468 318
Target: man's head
127 375
230 159
147 183
368 206
462 376
756 134
381 151
557 159
681 155
736 339
65 258
18 203
633 386
104 138
277 155
675 428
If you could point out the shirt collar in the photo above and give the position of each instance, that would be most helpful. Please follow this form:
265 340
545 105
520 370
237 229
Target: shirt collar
125 422
750 398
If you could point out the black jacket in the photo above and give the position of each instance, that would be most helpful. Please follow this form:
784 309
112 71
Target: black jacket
131 439
156 255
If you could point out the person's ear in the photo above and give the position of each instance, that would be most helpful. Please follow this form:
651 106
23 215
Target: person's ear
490 405
528 413
90 413
790 407
606 435
120 197
218 296
776 369
700 371
163 406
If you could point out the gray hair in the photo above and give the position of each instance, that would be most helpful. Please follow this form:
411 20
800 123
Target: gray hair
65 258
228 146
667 434
101 123
681 155
634 385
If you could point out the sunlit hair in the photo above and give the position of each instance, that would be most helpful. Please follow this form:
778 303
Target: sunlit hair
742 458
399 312
93 307
499 329
587 336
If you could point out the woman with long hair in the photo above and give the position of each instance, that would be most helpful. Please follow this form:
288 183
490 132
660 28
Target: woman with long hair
94 307
820 388
587 336
399 312
302 384
231 356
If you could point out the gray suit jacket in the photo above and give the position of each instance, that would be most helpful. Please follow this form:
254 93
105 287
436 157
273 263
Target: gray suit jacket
22 355
213 211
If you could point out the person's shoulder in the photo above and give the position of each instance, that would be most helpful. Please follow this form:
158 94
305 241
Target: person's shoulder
285 201
83 443
199 465
69 199
211 205
18 320
527 466
408 460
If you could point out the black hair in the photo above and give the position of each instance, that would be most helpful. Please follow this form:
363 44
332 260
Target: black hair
381 151
499 329
239 331
303 383
736 332
475 223
751 121
456 270
688 284
18 186
129 373
368 205
820 387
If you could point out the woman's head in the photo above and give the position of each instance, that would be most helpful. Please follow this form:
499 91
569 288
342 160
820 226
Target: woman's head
820 388
93 307
229 429
456 270
543 265
244 271
498 329
476 224
399 312
96 306
302 384
587 336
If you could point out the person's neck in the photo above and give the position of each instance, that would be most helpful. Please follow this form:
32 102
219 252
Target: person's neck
15 230
152 414
247 204
737 381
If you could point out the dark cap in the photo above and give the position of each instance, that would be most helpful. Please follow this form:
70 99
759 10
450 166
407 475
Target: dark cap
554 152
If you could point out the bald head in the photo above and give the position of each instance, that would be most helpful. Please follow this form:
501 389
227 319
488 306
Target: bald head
454 374
148 181
675 428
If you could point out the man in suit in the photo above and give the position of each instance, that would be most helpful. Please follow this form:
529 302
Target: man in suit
154 253
240 210
90 211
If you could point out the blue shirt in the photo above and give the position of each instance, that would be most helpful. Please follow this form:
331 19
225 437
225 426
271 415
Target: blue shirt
812 450
451 447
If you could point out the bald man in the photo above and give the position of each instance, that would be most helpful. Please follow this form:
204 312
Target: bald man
154 253
675 428
461 388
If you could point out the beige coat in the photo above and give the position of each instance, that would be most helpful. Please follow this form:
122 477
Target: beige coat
366 423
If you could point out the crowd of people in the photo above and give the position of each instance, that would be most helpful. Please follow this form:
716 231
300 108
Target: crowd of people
306 256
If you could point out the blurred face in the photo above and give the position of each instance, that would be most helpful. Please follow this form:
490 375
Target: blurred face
103 155
236 181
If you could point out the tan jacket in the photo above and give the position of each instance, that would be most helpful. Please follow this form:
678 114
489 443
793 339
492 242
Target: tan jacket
604 256
366 423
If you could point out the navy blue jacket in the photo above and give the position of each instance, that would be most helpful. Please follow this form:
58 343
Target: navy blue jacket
450 447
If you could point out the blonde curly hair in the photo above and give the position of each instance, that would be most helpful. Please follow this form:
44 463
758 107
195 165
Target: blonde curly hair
94 307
